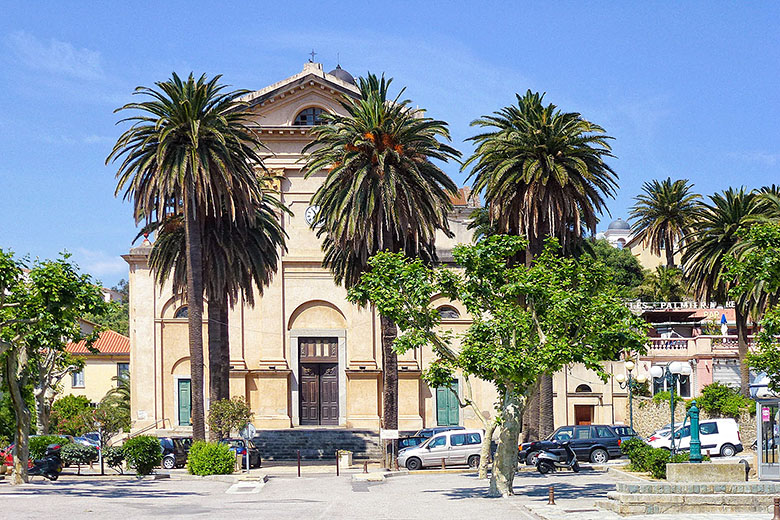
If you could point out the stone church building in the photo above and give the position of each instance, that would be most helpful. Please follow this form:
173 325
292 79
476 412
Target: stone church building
303 356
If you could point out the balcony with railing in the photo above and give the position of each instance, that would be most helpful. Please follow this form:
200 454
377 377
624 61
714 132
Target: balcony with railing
699 345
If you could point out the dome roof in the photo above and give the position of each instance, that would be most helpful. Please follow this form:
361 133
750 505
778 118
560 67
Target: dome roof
619 224
342 74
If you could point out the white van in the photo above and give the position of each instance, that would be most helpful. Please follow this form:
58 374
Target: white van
717 436
456 448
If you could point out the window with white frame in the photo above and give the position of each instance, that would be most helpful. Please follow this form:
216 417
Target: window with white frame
683 388
77 379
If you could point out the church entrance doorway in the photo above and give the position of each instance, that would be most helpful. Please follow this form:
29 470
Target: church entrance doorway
319 381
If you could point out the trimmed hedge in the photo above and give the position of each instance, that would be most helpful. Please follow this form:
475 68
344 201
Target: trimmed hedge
652 460
75 453
210 458
114 456
143 453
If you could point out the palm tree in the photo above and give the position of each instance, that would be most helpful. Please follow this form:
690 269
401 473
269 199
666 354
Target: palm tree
665 284
664 214
190 150
238 260
715 238
382 192
543 174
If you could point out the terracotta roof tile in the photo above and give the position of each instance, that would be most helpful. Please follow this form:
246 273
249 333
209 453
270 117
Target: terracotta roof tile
109 342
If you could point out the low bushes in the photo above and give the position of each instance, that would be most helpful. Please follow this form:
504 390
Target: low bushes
143 453
645 458
75 453
210 458
720 400
114 456
39 443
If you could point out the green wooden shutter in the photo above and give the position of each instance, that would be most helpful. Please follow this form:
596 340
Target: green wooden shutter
454 414
447 408
185 402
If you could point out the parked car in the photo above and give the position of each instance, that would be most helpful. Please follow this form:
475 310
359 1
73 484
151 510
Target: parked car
174 452
596 443
624 432
240 446
422 435
665 430
459 447
717 436
7 456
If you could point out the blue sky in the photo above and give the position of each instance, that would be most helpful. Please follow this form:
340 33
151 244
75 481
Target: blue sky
688 89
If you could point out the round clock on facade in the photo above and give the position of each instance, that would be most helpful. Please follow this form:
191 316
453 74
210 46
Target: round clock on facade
311 214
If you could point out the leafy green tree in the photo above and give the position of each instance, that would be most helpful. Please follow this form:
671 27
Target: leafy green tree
665 284
709 245
664 214
382 192
626 270
227 415
543 174
67 415
527 321
115 317
38 312
190 151
49 369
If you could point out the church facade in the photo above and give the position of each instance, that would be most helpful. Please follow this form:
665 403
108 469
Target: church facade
303 356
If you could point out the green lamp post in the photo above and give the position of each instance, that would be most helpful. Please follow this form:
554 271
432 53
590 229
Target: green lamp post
671 374
631 382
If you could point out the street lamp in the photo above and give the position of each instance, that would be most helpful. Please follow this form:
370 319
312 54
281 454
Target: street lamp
631 383
671 373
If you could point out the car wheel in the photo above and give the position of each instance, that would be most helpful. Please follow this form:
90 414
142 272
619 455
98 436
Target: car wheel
531 458
169 463
728 450
599 456
413 464
474 461
544 467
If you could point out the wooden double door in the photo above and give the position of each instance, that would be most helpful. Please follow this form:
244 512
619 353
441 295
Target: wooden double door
319 381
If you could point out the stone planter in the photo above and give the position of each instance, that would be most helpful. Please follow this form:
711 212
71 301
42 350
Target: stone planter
345 458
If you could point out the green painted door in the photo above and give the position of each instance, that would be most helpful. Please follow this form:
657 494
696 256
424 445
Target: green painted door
447 409
185 402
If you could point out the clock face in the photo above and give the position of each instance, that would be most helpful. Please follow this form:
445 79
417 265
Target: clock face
311 214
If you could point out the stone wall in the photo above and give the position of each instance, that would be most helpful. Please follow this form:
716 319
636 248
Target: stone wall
649 416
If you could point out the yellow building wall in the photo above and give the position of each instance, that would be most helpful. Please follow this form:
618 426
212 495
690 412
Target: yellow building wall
98 374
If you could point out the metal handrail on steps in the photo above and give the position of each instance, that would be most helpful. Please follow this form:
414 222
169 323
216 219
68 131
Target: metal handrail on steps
150 427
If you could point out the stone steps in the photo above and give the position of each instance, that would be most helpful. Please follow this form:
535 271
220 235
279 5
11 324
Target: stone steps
315 444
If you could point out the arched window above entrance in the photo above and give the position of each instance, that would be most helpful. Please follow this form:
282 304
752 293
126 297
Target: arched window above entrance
583 389
182 312
309 117
448 312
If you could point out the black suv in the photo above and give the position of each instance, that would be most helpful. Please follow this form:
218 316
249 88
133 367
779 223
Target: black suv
596 443
174 451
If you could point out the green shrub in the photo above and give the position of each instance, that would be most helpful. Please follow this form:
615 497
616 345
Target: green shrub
227 415
113 456
665 396
685 456
655 462
69 415
636 450
143 453
75 453
210 458
718 399
39 443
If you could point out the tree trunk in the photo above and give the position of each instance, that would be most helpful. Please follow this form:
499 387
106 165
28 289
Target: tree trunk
505 465
21 452
546 407
42 410
742 349
484 456
389 387
193 234
219 352
669 253
531 416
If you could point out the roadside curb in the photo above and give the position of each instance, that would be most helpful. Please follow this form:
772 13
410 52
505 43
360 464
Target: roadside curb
628 475
228 479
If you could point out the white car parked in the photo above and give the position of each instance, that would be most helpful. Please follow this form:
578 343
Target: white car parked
455 447
717 436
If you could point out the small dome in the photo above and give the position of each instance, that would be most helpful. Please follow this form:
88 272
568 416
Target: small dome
342 74
619 224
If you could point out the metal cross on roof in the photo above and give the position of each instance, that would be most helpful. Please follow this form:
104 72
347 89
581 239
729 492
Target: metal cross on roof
312 55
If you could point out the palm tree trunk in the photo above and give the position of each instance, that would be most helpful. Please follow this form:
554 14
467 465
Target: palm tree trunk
193 234
546 408
669 253
219 352
742 349
531 416
389 386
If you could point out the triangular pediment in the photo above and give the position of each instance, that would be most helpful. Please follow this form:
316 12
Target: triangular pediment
311 75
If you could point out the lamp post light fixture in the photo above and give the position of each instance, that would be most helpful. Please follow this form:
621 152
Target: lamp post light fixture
630 382
671 373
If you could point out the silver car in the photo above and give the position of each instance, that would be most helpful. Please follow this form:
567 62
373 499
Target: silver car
454 448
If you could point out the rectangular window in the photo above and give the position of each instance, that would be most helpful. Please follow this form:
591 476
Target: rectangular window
603 432
458 439
77 379
473 438
683 388
710 428
582 432
122 370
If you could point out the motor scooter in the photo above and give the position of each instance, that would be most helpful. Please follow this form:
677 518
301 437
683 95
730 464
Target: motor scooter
50 466
548 462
